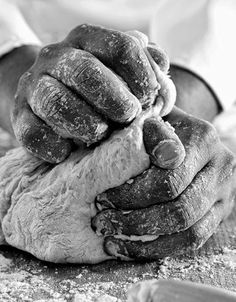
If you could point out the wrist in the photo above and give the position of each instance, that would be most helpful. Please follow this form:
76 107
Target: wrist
194 96
12 66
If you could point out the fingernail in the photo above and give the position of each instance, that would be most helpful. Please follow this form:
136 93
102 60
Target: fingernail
103 225
102 202
99 226
116 248
166 153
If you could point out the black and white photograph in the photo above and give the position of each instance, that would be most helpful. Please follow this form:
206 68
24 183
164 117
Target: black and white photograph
117 151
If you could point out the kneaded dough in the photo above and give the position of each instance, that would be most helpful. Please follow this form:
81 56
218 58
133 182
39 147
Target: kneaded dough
46 210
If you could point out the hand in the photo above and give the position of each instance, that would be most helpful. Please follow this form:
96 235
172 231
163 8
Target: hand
72 94
182 206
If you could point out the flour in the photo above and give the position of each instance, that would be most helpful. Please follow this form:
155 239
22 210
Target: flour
228 258
207 267
101 298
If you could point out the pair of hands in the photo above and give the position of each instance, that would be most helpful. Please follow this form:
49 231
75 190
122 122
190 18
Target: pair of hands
71 96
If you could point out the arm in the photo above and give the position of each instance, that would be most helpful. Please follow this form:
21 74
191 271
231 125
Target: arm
18 48
12 66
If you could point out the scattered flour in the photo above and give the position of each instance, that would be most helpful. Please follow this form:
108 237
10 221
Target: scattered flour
103 298
204 269
182 267
228 258
24 280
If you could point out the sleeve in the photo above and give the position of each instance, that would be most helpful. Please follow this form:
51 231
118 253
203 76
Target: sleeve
14 31
199 35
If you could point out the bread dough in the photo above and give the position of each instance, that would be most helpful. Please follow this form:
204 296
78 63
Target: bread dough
46 210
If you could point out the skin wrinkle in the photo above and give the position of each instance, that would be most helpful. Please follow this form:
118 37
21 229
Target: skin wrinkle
73 91
62 126
74 83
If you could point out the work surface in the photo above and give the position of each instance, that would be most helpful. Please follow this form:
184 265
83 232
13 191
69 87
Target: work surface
24 278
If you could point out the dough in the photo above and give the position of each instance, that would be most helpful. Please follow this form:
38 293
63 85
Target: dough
46 210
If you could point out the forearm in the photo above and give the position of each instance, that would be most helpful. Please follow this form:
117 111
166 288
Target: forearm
12 66
193 95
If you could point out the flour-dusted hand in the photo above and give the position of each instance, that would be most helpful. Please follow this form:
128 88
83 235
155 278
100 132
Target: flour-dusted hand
79 88
182 206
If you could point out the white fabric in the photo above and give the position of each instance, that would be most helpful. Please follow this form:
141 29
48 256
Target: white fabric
198 35
14 31
201 36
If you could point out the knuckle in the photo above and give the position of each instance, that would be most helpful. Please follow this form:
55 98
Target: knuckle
84 26
198 236
183 216
47 90
226 165
78 31
87 69
90 75
28 135
74 64
42 143
174 185
209 131
229 157
49 50
39 139
27 130
126 45
160 57
45 99
204 130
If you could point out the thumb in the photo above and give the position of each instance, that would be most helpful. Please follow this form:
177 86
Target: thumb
162 144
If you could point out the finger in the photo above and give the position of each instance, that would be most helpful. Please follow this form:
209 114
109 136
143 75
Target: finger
162 144
160 64
37 137
93 81
171 245
123 54
67 114
157 185
167 91
159 56
171 217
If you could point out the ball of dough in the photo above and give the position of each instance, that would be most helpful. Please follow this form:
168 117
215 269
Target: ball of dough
46 210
